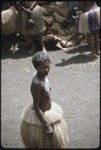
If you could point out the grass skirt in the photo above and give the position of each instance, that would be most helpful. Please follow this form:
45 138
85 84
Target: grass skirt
33 133
8 21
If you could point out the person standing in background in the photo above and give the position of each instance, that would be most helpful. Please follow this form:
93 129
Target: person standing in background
89 24
71 11
31 23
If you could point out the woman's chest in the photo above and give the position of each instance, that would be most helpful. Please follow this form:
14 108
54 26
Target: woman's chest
46 87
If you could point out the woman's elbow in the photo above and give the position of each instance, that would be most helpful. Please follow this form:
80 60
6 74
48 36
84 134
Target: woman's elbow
36 109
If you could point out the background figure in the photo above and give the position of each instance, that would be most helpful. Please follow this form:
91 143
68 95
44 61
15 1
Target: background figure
32 24
42 125
89 23
39 28
71 11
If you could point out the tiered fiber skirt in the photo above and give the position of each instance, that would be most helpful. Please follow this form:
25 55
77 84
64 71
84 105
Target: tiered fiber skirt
33 133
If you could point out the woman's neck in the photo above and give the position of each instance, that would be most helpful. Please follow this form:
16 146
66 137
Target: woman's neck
40 76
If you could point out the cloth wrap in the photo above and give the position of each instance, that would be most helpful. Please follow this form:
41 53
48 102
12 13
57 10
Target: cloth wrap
89 21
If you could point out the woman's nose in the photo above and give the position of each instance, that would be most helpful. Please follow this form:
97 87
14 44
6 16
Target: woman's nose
46 69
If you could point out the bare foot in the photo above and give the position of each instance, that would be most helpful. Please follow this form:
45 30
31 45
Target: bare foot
92 55
63 45
97 53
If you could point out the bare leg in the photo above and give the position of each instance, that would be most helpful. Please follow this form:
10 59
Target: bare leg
96 42
38 42
90 41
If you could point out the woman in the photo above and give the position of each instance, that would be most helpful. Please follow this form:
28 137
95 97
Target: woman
89 23
31 24
42 125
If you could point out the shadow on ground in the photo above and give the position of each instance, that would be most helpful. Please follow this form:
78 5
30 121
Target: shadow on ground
23 52
7 43
82 58
81 49
18 54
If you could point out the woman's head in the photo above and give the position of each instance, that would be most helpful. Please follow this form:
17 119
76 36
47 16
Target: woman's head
41 62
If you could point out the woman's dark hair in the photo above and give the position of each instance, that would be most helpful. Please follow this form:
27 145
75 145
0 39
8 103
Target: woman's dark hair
40 57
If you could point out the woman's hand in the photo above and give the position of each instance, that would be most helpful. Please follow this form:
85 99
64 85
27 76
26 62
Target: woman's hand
26 10
49 129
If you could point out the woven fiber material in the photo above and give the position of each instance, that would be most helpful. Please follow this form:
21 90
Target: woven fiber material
32 131
8 21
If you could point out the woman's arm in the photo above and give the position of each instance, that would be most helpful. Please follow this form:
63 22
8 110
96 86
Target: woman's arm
29 10
33 5
26 9
35 91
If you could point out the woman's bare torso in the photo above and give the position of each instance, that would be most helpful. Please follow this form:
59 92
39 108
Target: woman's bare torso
44 93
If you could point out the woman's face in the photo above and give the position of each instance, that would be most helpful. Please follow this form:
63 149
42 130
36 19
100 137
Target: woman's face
44 68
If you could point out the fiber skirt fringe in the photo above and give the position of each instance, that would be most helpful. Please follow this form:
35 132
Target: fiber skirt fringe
90 21
8 21
33 133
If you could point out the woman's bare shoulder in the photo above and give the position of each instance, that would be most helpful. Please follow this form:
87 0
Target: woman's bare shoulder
35 84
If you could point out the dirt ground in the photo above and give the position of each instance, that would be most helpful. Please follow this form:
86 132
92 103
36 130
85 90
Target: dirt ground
75 81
